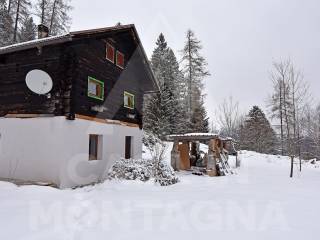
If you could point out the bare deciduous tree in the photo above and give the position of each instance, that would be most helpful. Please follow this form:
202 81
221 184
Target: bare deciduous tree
228 117
310 132
290 94
299 97
278 102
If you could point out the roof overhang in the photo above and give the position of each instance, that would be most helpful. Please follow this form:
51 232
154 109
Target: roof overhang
197 137
193 137
35 44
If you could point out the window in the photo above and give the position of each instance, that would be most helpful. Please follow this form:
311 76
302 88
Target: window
95 145
95 88
114 56
110 52
128 146
120 59
128 100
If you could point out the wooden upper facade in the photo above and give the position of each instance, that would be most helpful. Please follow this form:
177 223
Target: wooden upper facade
100 73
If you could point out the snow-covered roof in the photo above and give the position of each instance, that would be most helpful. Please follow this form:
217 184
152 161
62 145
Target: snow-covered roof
228 139
64 38
198 136
194 136
35 43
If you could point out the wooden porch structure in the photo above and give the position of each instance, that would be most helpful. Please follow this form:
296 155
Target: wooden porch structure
186 154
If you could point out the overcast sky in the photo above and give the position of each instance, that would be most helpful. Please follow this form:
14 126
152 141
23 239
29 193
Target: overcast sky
240 38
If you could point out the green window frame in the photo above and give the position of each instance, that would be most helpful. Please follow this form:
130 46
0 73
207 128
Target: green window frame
128 100
96 86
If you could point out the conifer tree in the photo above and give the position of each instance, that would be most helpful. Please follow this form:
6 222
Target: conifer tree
20 11
175 81
10 5
60 21
6 25
257 133
195 70
55 15
199 119
178 84
28 30
43 9
158 59
156 112
165 108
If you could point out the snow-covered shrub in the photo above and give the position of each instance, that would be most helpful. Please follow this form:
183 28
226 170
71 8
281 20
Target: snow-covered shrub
143 170
156 167
163 172
131 169
165 175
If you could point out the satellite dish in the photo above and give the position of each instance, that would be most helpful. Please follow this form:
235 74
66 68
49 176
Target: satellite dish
39 81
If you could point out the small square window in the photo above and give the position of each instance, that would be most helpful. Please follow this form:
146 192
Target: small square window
110 52
128 100
95 88
95 145
120 59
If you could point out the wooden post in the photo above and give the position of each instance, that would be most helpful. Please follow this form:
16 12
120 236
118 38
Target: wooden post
211 164
291 171
175 156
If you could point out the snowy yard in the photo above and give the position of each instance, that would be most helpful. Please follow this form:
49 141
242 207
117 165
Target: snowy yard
260 202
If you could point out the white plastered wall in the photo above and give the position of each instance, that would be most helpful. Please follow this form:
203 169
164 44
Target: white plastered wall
56 150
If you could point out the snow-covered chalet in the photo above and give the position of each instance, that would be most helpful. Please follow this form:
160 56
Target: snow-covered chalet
71 105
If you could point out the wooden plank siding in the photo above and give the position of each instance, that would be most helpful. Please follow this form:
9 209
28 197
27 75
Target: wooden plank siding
15 97
92 62
70 64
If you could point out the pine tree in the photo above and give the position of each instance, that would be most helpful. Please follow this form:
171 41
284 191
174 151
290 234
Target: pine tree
169 101
156 113
195 70
28 30
178 85
20 12
257 133
59 22
199 120
55 15
6 25
43 10
175 81
10 5
158 59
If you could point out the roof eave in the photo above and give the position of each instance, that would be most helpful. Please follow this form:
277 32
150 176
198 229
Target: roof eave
40 44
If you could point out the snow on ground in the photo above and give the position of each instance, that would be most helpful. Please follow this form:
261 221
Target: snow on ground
259 202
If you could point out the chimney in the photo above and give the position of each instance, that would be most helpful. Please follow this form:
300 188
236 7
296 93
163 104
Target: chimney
43 31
